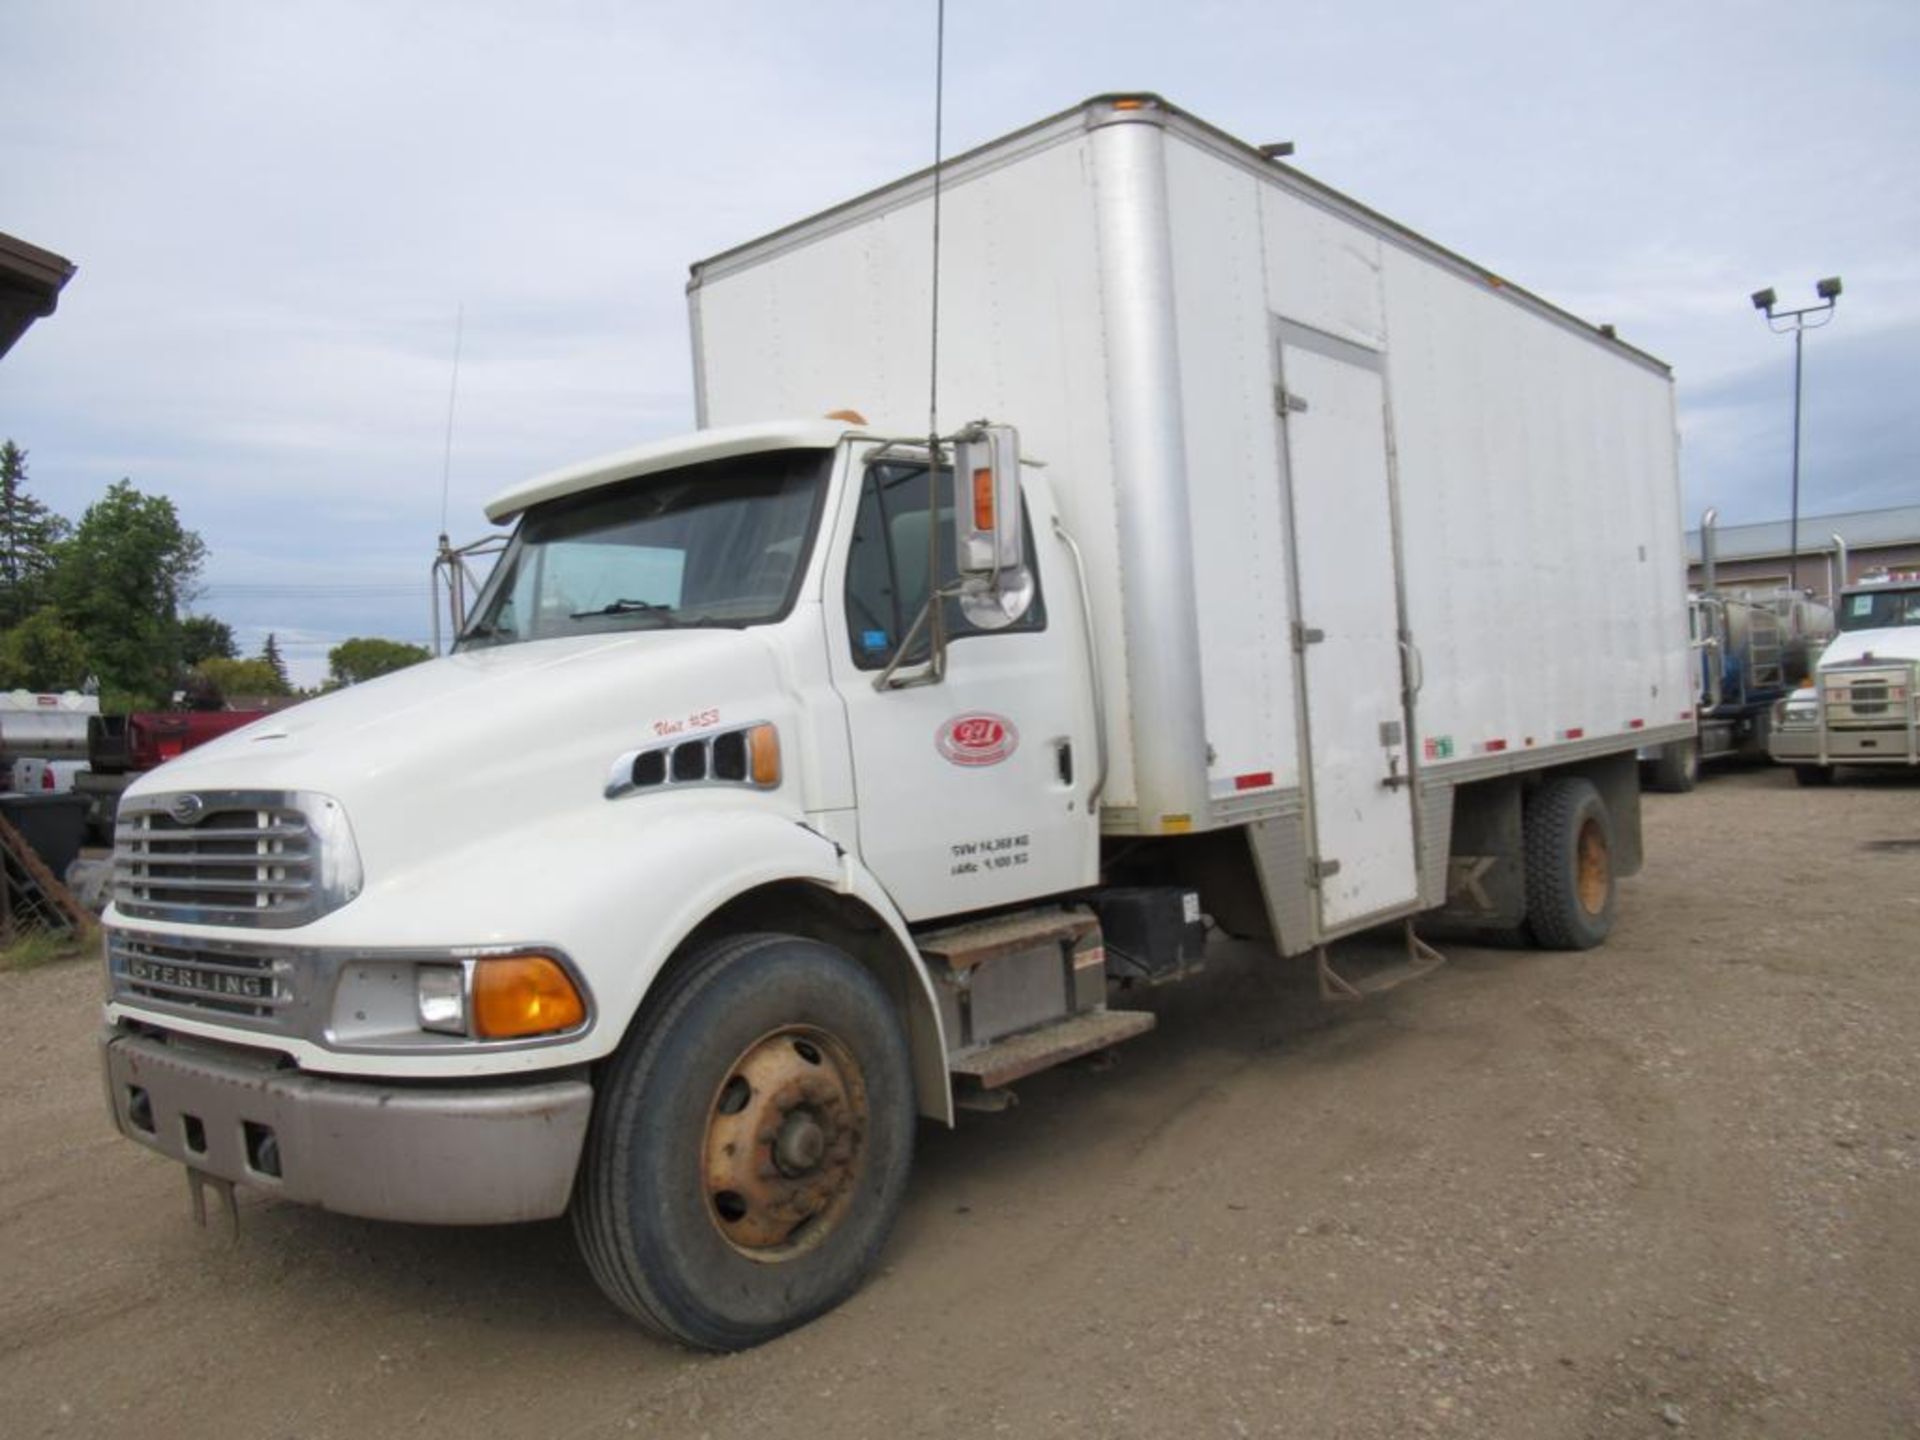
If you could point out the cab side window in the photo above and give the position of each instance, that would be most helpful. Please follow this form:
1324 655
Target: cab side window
887 566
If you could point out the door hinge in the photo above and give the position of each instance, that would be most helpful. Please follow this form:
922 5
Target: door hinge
1285 402
1319 870
1305 635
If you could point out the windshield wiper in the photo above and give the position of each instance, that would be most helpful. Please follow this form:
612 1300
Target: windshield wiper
628 607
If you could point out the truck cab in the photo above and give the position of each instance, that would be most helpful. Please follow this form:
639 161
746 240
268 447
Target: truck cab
1861 707
388 952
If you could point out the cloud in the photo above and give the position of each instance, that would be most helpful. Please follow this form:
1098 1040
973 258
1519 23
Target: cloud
278 210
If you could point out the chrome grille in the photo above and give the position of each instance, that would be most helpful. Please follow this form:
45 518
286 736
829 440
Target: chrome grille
1870 699
250 858
174 973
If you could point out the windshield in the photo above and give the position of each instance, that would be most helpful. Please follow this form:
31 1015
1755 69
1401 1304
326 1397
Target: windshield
719 544
1879 609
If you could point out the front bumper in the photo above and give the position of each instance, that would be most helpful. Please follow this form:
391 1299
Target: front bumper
439 1154
1844 747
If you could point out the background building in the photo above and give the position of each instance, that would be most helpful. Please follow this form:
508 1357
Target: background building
1755 556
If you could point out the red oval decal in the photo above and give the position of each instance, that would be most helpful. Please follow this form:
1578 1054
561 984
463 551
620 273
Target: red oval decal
979 738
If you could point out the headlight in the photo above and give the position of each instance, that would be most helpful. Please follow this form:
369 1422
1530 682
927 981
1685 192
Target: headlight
426 1001
498 997
440 998
1797 710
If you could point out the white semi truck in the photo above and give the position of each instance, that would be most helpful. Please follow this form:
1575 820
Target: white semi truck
1863 707
783 790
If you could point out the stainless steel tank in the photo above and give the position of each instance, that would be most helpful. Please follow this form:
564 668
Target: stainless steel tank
48 727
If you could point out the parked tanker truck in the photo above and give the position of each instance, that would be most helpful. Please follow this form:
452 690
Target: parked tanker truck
1752 647
797 778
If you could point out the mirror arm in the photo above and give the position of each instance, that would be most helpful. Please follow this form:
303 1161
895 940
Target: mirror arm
936 663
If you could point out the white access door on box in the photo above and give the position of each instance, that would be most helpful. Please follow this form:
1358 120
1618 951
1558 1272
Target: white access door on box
1358 732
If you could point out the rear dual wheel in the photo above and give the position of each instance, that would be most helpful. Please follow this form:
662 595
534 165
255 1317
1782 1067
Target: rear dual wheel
750 1144
1568 838
1676 769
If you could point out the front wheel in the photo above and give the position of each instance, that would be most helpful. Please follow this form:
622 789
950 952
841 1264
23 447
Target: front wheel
750 1144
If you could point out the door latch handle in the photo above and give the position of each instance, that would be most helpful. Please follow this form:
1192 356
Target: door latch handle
1394 779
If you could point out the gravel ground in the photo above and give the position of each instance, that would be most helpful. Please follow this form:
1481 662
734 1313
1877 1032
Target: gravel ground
1665 1188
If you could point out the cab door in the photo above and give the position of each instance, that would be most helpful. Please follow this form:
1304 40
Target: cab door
971 790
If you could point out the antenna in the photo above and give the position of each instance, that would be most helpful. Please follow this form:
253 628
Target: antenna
935 612
933 346
453 394
446 559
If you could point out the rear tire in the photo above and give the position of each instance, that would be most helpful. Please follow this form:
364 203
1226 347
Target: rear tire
1568 839
1813 774
1676 769
750 1144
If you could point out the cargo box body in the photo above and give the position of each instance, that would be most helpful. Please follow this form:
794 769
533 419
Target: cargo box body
1362 521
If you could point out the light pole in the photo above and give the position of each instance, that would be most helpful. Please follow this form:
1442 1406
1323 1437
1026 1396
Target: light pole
1797 321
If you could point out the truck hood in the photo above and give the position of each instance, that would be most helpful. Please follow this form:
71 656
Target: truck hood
1895 643
463 749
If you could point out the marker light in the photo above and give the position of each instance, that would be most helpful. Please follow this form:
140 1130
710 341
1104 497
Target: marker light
763 749
983 498
518 995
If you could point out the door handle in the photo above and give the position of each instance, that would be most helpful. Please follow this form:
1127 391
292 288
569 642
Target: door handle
1416 670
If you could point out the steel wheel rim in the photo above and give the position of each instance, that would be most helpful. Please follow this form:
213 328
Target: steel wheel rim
785 1143
1593 868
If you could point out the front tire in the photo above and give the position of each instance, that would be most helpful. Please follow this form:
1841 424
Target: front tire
750 1144
1568 838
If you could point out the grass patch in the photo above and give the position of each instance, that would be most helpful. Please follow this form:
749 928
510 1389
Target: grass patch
32 949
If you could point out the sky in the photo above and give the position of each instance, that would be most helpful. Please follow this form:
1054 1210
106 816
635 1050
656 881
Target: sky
286 216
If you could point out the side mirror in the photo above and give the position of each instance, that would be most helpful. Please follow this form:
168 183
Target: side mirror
990 552
986 511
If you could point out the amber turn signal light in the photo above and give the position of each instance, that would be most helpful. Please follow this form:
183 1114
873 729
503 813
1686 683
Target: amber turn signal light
983 499
763 746
519 995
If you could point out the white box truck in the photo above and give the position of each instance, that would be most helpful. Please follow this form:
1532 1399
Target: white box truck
780 790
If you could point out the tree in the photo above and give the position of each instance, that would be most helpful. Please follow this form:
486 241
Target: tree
270 654
204 638
42 653
29 536
363 658
120 582
230 678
